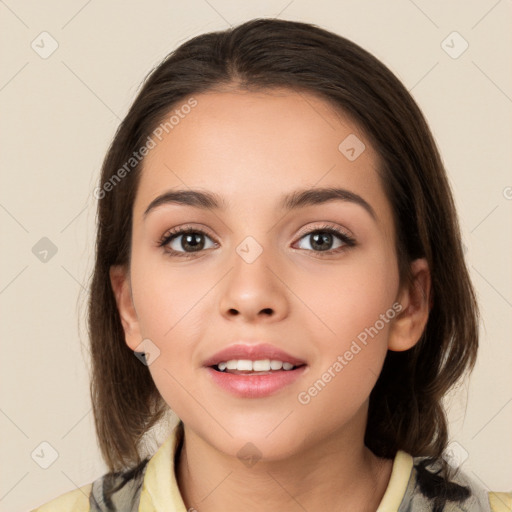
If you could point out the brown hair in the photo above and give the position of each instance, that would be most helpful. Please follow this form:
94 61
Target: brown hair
405 410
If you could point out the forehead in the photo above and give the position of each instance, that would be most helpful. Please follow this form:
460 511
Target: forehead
253 147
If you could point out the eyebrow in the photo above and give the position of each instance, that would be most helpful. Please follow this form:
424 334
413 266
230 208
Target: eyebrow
292 201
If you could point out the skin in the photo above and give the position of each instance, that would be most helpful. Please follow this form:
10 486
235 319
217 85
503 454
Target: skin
251 148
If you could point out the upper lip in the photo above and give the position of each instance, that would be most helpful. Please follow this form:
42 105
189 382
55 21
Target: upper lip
253 353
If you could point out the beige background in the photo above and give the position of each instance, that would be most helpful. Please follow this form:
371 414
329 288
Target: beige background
58 116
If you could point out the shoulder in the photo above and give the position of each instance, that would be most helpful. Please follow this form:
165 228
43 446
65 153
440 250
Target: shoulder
112 492
76 501
500 501
118 492
151 483
436 484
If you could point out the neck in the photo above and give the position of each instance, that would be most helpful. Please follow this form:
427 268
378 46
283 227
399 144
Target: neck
334 474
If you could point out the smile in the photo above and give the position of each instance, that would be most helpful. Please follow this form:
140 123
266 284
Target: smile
248 366
254 383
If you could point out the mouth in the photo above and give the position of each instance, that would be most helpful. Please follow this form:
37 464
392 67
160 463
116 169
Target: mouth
253 371
254 383
257 367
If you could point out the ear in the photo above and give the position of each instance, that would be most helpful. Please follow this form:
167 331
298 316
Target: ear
415 300
120 281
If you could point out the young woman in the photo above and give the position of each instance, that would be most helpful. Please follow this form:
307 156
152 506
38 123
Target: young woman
277 236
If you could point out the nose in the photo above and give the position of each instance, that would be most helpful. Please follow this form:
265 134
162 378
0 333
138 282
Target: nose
254 292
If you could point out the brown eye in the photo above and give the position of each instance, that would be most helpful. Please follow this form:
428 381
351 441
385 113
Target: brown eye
190 242
327 240
185 241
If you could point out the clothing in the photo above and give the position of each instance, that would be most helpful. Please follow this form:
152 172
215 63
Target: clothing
152 487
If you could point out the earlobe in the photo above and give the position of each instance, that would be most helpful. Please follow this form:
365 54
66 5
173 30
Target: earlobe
415 300
120 281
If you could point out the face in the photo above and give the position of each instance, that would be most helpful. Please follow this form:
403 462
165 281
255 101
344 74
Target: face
318 281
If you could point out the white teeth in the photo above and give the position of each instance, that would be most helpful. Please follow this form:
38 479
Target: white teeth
244 364
262 365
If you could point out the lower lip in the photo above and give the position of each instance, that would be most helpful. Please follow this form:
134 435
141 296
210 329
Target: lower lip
255 386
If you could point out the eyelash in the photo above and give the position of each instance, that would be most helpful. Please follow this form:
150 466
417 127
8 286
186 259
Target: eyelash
347 240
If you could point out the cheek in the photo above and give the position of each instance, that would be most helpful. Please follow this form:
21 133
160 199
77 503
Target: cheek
171 306
167 299
349 361
348 298
355 304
